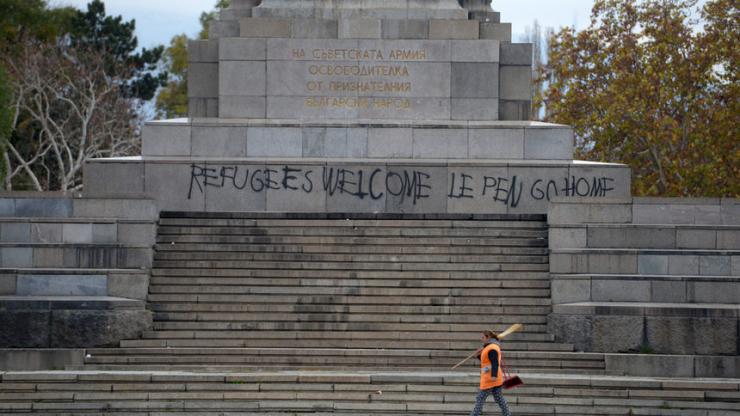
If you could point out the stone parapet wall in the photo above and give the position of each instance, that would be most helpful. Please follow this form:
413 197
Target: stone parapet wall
381 139
354 185
658 275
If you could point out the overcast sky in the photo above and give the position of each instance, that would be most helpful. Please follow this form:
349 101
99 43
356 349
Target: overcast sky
158 20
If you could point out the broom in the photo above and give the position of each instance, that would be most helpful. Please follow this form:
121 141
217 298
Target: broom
511 330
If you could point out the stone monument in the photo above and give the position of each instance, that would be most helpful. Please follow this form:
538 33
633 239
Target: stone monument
358 106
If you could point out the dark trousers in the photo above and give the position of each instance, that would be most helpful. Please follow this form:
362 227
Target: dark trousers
480 400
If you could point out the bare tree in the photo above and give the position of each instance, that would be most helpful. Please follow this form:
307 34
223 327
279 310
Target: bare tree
65 111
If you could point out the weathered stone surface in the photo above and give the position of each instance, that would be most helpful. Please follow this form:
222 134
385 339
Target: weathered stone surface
617 333
203 79
687 265
496 143
642 365
261 27
393 143
203 50
440 143
516 54
131 286
548 143
715 265
243 188
652 264
478 189
623 290
62 285
280 142
573 329
685 335
691 238
514 109
405 29
175 186
242 49
43 207
516 83
474 80
669 292
242 107
15 232
567 237
408 189
76 329
16 257
567 290
359 28
313 28
221 142
496 31
300 189
24 329
474 109
717 367
453 29
475 51
166 140
7 283
242 78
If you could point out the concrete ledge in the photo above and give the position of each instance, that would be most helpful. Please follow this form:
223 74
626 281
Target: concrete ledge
39 359
684 366
693 329
313 184
648 236
645 261
70 322
646 288
714 211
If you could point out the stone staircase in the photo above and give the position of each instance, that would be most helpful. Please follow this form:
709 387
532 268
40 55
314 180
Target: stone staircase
352 393
237 291
643 276
74 272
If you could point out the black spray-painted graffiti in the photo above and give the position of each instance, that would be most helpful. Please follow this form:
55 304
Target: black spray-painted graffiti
408 184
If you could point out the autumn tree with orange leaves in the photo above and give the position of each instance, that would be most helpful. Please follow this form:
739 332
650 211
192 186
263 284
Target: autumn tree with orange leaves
653 84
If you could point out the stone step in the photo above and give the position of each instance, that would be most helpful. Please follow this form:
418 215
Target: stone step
69 321
494 314
389 292
645 262
307 222
379 327
349 300
75 256
360 283
224 339
569 288
40 230
230 258
345 393
345 241
359 274
353 249
287 232
74 282
663 328
650 236
315 317
302 359
522 265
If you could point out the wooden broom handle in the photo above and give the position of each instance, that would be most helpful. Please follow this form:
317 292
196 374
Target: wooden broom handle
473 354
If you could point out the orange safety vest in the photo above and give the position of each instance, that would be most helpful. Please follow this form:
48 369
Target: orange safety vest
486 381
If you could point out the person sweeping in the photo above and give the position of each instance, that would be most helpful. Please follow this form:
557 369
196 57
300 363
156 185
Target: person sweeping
491 374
